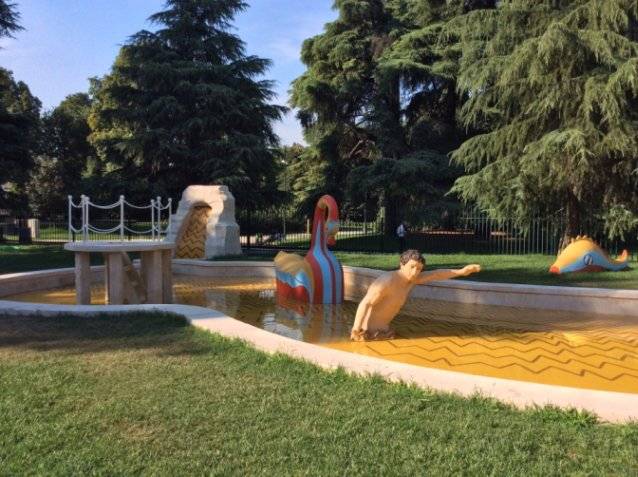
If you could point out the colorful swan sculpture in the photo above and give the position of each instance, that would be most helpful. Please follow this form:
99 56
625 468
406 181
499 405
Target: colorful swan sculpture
584 255
317 277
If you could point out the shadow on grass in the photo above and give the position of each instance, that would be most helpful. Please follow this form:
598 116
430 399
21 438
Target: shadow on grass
162 332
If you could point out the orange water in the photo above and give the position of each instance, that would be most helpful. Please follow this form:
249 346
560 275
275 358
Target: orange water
570 349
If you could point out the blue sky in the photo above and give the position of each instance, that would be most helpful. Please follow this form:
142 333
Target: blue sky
68 41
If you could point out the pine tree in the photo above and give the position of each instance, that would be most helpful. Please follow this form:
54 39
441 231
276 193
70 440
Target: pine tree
182 106
9 18
334 98
422 63
426 58
554 85
365 146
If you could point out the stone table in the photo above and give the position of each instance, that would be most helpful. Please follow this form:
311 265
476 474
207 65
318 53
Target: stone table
154 283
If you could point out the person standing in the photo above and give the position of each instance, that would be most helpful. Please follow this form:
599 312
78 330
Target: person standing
401 233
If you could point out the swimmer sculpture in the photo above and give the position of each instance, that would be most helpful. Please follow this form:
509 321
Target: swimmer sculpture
584 255
317 277
389 291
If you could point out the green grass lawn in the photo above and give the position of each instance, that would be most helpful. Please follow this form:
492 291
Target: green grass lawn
26 258
530 269
147 394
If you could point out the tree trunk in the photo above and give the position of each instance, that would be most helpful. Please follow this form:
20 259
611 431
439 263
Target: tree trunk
572 228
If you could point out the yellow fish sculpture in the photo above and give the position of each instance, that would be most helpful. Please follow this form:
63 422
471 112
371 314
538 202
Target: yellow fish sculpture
584 255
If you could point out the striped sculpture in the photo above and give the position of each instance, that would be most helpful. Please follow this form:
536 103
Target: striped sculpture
317 277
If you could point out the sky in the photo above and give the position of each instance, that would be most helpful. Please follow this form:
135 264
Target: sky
65 42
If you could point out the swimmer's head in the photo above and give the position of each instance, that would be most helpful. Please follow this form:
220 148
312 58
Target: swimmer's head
412 263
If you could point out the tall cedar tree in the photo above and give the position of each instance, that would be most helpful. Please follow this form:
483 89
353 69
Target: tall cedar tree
182 106
9 19
420 65
426 58
334 97
555 85
373 129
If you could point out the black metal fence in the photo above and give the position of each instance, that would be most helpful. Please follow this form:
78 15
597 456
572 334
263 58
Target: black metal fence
39 232
471 233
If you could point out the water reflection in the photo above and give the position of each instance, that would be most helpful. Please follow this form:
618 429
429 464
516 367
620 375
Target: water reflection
256 303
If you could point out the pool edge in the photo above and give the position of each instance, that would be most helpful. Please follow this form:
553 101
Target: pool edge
609 406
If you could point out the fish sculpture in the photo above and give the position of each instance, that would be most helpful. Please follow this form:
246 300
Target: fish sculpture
584 255
317 277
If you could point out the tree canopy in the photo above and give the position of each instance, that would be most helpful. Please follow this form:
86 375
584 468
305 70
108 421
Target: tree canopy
19 114
377 114
19 129
65 157
333 97
518 108
9 19
183 105
554 87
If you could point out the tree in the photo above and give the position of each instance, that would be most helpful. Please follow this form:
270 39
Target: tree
356 118
426 58
555 86
291 168
334 97
9 18
378 118
182 105
19 123
65 156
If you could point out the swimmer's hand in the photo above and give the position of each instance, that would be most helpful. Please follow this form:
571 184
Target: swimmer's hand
470 269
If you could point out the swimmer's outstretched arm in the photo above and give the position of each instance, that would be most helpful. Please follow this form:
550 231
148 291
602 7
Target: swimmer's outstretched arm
442 274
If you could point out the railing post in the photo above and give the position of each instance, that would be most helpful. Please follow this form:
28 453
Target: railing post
250 230
170 213
121 218
153 219
70 231
158 204
85 217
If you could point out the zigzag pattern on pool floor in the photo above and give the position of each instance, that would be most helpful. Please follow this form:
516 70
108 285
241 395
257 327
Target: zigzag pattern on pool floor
605 359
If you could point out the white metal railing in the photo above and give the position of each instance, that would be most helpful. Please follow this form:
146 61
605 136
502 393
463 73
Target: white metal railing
85 205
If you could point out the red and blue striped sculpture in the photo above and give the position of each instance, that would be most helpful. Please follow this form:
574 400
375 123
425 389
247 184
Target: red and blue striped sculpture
317 277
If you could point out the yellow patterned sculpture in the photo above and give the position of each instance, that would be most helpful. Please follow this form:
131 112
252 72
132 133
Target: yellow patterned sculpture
390 290
584 255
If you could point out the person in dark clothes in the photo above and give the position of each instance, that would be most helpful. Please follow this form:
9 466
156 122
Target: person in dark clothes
401 233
